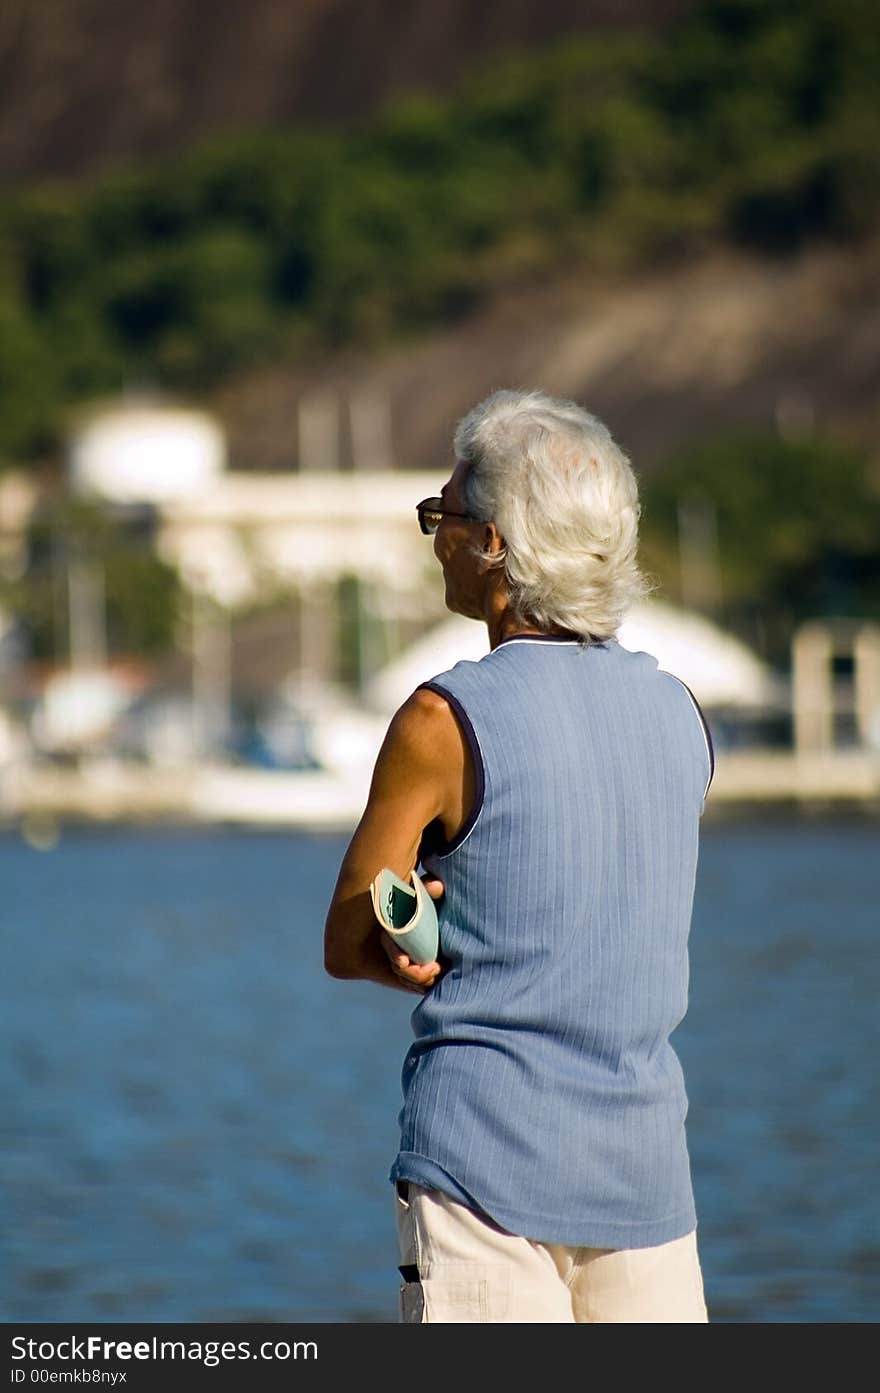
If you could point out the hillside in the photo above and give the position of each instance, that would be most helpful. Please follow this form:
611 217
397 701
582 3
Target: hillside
721 344
677 228
86 83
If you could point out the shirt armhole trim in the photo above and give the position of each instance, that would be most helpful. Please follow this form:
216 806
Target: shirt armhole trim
445 848
707 734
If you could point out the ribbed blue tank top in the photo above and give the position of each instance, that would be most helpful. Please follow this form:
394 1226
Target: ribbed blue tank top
541 1087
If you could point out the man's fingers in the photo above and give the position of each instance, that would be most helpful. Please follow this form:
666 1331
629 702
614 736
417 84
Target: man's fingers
401 962
393 950
435 888
418 972
416 977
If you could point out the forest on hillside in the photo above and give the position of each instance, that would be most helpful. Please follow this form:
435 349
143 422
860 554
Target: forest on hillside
750 121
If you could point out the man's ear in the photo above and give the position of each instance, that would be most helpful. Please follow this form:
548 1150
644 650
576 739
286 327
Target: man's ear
493 542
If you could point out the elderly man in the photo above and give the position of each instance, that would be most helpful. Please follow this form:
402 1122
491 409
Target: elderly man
551 793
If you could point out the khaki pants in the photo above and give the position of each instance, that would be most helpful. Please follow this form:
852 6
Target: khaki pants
460 1267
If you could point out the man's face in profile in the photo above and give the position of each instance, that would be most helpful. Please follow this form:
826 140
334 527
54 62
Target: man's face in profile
455 543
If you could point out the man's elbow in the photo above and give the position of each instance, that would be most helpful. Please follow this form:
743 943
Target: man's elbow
337 965
340 960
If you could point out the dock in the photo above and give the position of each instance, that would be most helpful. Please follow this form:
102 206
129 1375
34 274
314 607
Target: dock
102 790
814 777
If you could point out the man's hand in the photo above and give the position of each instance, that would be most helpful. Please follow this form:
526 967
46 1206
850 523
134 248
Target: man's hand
416 977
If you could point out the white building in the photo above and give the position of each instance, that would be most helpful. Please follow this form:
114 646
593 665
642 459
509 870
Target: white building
721 671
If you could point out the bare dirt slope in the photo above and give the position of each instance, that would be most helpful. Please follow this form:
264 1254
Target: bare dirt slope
87 82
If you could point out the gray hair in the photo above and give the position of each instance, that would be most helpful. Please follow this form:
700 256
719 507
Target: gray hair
565 500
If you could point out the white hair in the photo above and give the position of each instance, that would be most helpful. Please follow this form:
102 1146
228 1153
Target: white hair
565 500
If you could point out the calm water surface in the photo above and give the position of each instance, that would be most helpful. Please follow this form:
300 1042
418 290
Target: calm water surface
197 1124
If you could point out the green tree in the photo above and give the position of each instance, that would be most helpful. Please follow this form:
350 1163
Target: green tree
755 121
142 595
798 526
28 387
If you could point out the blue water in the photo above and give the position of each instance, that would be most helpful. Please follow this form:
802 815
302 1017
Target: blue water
197 1123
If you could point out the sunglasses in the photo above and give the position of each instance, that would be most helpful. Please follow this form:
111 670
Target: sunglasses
431 510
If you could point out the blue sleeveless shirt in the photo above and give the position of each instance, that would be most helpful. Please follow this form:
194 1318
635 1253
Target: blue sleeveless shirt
542 1088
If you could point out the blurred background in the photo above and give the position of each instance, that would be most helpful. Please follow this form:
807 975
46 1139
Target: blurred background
255 261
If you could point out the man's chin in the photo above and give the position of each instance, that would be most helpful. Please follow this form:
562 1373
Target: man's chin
455 607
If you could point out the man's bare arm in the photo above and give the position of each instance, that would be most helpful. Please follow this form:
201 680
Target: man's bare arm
417 774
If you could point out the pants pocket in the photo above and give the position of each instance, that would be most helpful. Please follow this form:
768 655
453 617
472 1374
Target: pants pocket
453 1300
412 1303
